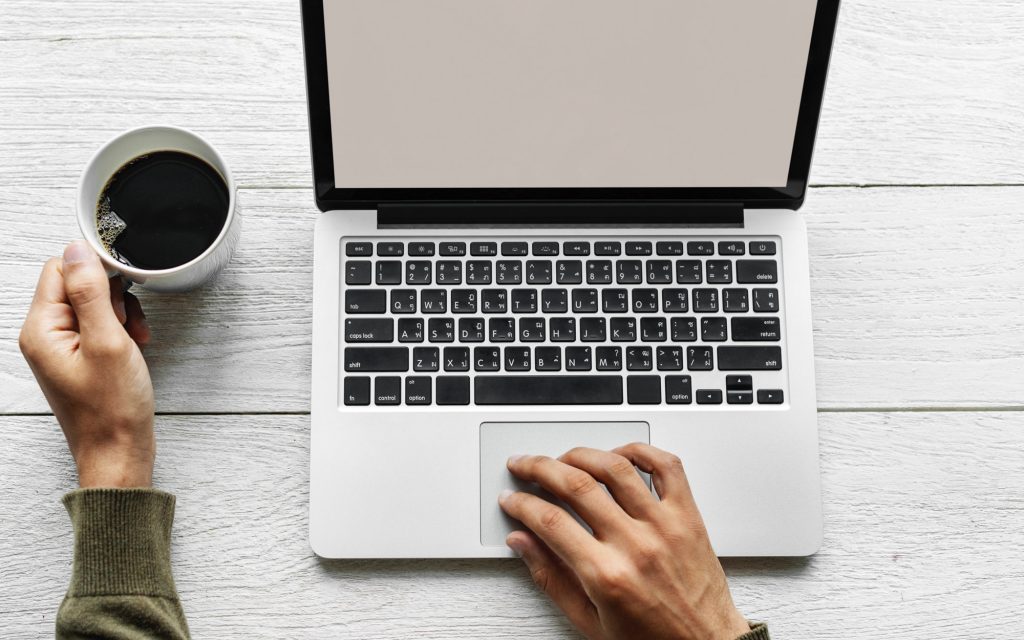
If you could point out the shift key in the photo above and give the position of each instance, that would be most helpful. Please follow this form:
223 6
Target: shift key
374 359
366 301
749 358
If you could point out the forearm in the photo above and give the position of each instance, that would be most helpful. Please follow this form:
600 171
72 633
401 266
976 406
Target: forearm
121 582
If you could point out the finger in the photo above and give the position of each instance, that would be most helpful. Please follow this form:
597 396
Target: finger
556 580
554 526
117 299
136 324
50 288
618 474
575 487
666 471
88 291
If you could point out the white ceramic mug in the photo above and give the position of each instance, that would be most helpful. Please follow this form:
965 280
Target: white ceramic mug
121 150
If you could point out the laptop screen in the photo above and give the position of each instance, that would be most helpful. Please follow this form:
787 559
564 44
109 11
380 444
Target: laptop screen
565 93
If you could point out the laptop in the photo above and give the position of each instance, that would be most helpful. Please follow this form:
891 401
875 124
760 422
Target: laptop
554 223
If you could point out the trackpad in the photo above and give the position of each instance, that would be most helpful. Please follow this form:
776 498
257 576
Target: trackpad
500 440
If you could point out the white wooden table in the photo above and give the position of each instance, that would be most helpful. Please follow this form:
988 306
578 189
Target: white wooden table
917 240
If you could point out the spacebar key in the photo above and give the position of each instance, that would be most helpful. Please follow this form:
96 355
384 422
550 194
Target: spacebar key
547 390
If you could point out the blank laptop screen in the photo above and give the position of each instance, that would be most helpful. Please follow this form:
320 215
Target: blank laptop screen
565 93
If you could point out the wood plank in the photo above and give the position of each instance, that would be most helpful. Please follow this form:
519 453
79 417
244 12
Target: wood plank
916 293
923 519
924 93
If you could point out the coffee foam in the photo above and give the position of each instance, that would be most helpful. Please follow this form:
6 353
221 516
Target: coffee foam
109 226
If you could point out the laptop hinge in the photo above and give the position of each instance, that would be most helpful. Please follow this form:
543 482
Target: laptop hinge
575 214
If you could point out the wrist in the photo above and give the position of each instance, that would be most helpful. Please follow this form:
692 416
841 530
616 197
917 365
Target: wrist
115 470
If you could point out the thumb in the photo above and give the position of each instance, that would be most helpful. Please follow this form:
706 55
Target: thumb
88 290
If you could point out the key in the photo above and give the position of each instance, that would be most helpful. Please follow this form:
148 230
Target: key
456 358
426 359
562 329
689 272
448 272
389 272
769 396
478 272
684 329
453 249
569 272
705 300
486 359
545 248
584 300
417 390
670 358
367 330
615 301
645 300
609 359
578 359
623 330
653 329
678 389
390 249
374 359
387 390
524 301
659 272
548 390
495 301
740 397
599 271
548 358
358 272
700 248
731 248
356 391
403 300
358 249
739 389
630 272
441 330
365 301
471 330
643 389
766 300
463 301
417 272
593 330
700 358
554 301
709 396
514 249
638 249
607 248
517 358
748 329
510 272
735 300
757 272
538 272
749 358
670 248
531 330
421 249
762 248
575 248
483 248
502 329
410 330
719 272
434 301
713 329
639 359
453 390
675 300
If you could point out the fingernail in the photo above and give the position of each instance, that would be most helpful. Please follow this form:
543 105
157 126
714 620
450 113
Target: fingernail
515 545
121 311
504 495
77 251
514 459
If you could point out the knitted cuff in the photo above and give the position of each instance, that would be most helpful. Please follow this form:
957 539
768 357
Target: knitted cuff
122 542
758 631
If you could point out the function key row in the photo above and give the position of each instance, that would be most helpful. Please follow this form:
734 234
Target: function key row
569 248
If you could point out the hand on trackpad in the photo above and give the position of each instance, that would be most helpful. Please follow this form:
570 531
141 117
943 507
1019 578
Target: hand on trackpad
500 440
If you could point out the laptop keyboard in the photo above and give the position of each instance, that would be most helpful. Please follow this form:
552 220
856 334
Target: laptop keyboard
555 322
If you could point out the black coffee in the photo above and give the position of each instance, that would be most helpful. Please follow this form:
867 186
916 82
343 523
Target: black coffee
162 210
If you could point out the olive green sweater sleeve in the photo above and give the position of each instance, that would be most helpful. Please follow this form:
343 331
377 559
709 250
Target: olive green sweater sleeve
758 631
121 582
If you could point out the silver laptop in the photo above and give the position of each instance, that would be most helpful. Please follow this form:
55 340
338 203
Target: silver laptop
550 224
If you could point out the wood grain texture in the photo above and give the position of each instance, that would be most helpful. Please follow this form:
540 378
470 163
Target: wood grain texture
917 298
923 514
920 92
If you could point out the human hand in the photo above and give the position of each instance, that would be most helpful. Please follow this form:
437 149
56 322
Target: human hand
648 571
83 338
